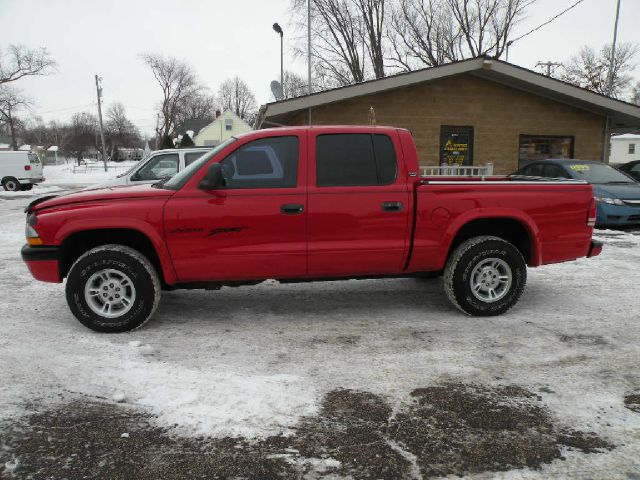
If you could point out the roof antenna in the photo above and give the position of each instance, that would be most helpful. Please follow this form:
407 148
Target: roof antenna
372 116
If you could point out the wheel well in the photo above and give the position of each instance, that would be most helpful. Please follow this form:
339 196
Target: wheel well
508 229
78 243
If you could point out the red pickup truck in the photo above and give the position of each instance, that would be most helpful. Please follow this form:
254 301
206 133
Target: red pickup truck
304 204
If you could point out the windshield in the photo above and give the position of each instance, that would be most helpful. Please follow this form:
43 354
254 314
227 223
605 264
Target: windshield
130 170
177 181
597 173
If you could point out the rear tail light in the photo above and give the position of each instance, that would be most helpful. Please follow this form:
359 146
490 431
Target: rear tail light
27 167
591 219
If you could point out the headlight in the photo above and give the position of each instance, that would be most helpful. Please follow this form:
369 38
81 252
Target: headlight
610 201
32 236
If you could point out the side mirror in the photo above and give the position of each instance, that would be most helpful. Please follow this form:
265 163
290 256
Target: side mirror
214 178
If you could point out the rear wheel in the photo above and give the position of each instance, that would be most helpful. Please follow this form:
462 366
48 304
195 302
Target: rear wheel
26 186
485 276
113 289
10 184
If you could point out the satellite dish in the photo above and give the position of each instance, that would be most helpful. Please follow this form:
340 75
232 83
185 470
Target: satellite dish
276 89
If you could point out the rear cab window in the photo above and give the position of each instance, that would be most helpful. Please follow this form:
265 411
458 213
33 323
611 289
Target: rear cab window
355 159
33 158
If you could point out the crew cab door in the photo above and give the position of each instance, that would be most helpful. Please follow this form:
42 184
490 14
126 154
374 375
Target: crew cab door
358 203
255 226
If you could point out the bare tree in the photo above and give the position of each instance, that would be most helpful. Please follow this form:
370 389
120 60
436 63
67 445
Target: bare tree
178 82
12 101
120 131
422 33
82 135
635 94
199 106
19 61
294 85
590 69
432 32
235 95
349 36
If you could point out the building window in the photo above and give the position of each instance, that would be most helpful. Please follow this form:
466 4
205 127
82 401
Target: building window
228 124
632 148
542 147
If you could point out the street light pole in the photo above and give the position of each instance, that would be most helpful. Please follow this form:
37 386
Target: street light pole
278 29
612 61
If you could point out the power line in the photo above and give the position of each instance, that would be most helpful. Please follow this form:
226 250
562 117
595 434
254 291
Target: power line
511 42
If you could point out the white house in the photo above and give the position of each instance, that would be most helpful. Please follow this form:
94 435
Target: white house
224 126
624 148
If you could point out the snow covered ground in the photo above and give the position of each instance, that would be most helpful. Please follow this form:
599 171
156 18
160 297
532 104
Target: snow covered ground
253 361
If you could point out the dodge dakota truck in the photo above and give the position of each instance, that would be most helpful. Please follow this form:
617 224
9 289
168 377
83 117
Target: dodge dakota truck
304 204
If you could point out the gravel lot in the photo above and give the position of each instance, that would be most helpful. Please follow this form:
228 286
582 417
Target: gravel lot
357 379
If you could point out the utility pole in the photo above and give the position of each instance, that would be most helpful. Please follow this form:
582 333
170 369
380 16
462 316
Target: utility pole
549 66
104 149
309 53
157 131
612 61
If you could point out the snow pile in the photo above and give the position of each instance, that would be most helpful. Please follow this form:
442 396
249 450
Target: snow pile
71 174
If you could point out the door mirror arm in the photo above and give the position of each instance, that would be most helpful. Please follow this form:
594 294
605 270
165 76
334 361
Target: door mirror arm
214 178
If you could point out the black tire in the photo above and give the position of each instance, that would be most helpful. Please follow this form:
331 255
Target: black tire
117 260
10 184
26 186
463 269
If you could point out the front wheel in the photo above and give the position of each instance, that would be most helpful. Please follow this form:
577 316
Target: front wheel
112 289
485 276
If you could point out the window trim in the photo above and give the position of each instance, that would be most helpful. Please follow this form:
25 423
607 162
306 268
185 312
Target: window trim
375 160
632 149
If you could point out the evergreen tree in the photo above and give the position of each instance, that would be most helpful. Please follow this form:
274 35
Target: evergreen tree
186 141
167 142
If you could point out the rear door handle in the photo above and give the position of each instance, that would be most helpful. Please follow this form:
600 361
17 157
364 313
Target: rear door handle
392 206
292 208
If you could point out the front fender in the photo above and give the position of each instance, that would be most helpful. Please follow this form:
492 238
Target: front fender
122 223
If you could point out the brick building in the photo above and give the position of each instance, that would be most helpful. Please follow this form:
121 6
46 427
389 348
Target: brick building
472 112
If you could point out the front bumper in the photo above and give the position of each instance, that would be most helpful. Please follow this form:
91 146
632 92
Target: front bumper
617 215
43 262
595 248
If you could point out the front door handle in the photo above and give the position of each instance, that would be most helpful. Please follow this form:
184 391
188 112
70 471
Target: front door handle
292 208
392 206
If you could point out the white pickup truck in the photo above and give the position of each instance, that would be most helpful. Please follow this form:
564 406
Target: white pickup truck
161 164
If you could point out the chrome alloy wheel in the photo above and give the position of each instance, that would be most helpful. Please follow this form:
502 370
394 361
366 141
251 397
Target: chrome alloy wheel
490 280
109 293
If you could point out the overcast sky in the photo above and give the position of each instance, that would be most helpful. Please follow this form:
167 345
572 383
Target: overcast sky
222 39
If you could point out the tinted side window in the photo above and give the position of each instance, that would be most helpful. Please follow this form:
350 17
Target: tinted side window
265 163
191 157
554 171
534 170
159 167
358 159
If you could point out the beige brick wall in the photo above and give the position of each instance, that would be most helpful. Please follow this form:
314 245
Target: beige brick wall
499 114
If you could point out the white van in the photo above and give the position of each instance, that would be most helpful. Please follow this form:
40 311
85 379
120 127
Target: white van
20 170
160 165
